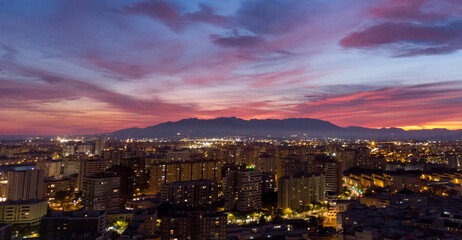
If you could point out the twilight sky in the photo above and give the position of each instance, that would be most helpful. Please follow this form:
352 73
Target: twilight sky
80 67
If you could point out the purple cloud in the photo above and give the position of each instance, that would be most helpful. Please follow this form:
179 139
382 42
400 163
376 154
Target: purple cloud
424 39
237 41
410 28
273 17
169 15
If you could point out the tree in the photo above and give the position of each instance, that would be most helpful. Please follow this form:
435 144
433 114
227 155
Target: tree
262 220
269 199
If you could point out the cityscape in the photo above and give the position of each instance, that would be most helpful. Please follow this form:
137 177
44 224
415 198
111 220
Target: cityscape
231 120
230 188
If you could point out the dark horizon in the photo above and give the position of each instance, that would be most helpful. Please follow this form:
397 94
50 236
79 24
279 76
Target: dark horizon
263 128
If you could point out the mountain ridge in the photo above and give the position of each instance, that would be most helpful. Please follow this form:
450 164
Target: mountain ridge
302 127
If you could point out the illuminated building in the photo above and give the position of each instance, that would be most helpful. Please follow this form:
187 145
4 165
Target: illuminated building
50 168
68 150
455 162
191 224
85 149
168 172
99 146
71 166
89 167
24 193
243 189
268 182
177 156
265 163
293 166
363 155
23 212
101 191
113 156
381 202
142 202
191 193
294 192
333 173
54 185
348 159
410 181
138 174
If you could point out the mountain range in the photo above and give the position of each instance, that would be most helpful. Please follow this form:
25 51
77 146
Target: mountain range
284 128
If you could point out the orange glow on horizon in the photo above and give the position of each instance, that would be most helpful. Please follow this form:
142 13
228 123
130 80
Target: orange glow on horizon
452 125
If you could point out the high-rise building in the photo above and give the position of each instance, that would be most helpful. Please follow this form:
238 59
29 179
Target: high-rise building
113 156
3 185
139 175
75 224
454 162
363 155
51 168
99 146
348 159
70 166
243 189
190 193
190 224
177 156
89 167
294 192
268 182
167 172
127 183
265 163
333 172
54 185
85 149
292 166
68 150
25 185
23 195
101 191
375 162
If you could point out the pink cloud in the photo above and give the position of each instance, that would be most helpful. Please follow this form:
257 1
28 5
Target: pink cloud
406 10
390 107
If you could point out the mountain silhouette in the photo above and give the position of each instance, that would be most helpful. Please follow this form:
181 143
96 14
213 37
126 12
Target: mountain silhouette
284 128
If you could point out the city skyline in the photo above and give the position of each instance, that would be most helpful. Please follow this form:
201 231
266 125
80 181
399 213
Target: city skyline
87 67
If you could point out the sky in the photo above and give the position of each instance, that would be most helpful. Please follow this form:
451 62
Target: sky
84 67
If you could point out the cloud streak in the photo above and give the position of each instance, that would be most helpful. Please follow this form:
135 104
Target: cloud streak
391 107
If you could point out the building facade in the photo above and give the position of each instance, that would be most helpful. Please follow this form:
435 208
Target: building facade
190 193
23 212
168 172
101 191
294 192
25 185
243 189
